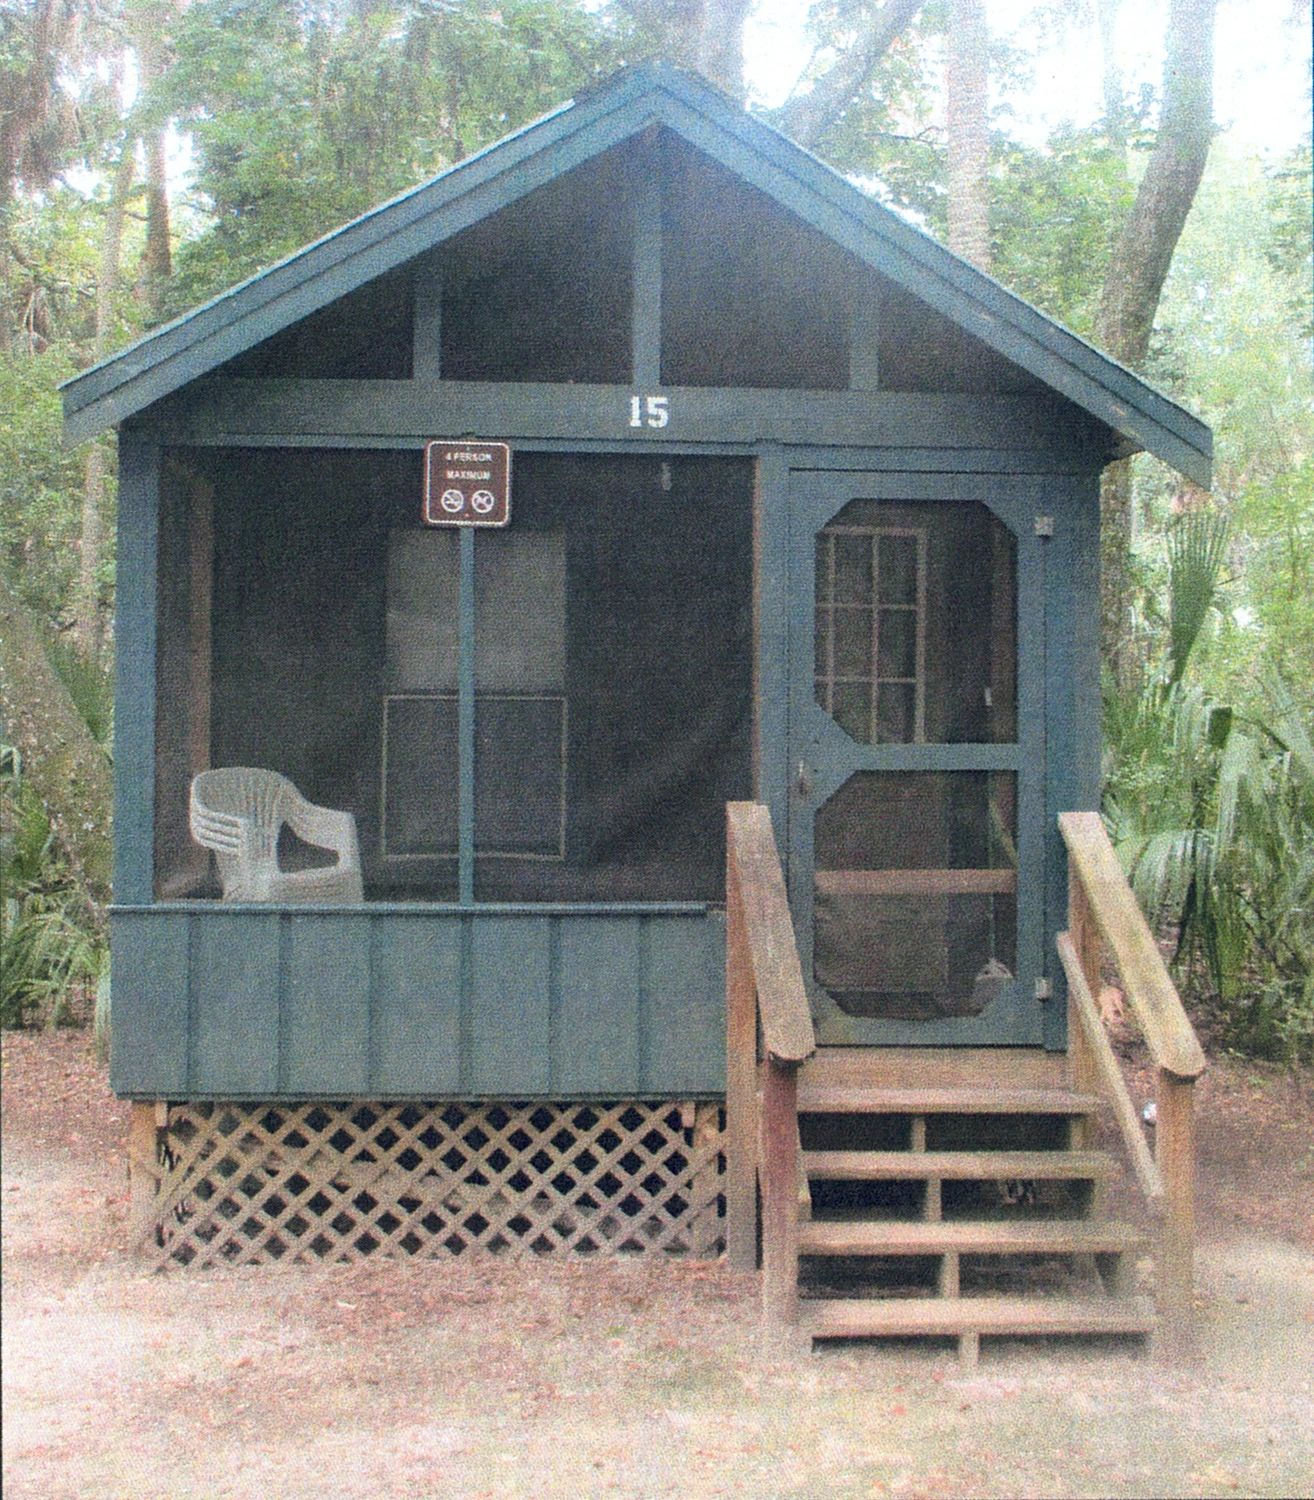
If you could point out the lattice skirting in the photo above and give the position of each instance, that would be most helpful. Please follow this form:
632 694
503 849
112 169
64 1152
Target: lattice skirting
241 1183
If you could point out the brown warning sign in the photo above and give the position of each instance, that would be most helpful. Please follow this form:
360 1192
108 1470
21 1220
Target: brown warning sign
467 483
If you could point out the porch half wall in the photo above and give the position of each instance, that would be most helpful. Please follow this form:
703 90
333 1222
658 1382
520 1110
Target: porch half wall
396 1002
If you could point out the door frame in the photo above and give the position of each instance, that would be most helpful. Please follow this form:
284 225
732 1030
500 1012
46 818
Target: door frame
816 745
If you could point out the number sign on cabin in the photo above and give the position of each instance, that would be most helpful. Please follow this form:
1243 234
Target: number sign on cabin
467 483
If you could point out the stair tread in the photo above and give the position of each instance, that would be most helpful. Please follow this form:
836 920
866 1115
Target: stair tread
856 1318
868 1099
989 1236
961 1165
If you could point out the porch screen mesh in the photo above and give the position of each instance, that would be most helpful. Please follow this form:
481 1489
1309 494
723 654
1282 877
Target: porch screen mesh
916 892
612 685
310 624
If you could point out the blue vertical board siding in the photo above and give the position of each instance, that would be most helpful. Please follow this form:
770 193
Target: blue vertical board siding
213 1002
509 1006
684 1016
235 1009
134 685
595 1044
1033 557
326 1004
646 280
771 544
1072 705
1083 601
426 320
416 1000
149 964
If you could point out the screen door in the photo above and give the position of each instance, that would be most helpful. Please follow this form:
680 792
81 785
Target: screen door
917 758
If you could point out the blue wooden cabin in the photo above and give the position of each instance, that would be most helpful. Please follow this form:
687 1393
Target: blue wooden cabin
804 513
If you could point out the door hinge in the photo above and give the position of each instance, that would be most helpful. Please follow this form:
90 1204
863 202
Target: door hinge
1044 525
1044 990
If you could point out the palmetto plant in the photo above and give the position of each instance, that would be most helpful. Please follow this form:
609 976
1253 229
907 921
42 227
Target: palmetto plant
1212 813
49 947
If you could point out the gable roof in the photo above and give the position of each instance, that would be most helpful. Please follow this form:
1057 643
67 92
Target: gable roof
615 111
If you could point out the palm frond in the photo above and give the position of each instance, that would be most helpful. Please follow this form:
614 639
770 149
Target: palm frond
1197 547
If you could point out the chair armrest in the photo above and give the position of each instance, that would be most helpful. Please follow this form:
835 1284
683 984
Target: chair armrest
325 828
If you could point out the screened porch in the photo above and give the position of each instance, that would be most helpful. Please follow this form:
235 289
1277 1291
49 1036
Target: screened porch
311 625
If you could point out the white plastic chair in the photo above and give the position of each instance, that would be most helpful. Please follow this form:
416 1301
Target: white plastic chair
239 812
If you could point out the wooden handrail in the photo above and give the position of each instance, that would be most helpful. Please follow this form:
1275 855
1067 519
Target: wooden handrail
754 869
1109 1075
766 999
1154 999
1101 904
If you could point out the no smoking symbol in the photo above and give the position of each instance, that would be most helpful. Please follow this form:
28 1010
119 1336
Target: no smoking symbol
452 501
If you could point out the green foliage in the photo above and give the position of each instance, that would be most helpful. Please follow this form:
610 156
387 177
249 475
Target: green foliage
1229 344
1289 244
49 945
1055 213
887 132
40 480
1196 549
304 115
90 684
1212 811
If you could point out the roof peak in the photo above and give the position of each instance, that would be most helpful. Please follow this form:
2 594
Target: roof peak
611 111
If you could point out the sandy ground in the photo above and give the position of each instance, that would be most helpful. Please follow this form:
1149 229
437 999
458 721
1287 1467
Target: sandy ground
481 1378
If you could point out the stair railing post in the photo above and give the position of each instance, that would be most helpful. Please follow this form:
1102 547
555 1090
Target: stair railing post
780 1166
1086 941
741 1078
1175 1154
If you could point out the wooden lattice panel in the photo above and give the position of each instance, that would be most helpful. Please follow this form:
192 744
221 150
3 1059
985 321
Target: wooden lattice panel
238 1183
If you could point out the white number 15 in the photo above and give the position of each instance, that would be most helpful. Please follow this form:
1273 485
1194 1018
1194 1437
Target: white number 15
649 411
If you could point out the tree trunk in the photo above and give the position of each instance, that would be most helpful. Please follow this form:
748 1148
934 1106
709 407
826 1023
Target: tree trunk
44 33
1139 268
87 621
721 44
148 28
966 78
705 36
157 257
68 769
807 117
1115 106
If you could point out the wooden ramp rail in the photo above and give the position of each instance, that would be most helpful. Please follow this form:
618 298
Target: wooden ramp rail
768 1033
1101 905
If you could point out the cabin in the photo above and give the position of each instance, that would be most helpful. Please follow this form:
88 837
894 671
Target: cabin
607 736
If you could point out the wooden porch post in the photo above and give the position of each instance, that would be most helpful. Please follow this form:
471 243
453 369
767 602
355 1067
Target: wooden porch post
143 1169
1175 1153
779 1156
740 1083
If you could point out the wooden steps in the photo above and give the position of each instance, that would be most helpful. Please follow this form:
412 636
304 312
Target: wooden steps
955 1316
958 1166
824 1099
993 1185
969 1237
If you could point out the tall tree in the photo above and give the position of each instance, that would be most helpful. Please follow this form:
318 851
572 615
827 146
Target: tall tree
37 118
810 115
705 36
1135 278
87 613
148 27
1115 104
967 74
